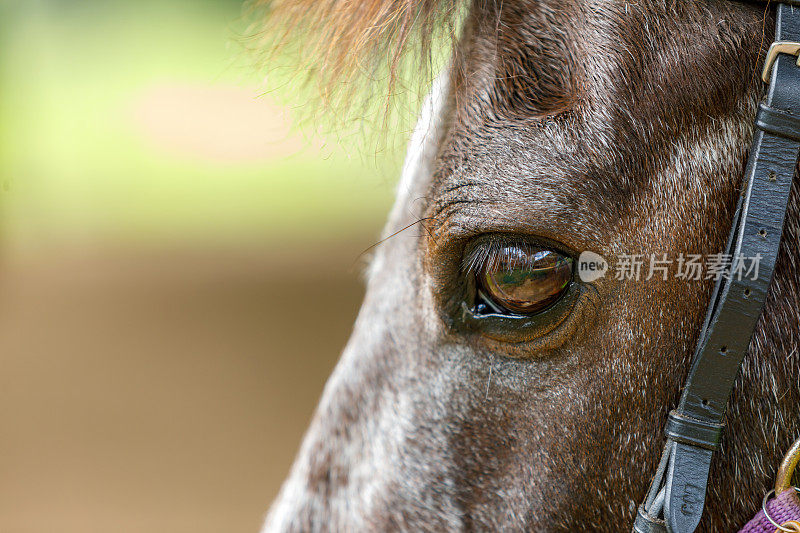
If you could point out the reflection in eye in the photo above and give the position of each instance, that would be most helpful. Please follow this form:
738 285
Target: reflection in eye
523 279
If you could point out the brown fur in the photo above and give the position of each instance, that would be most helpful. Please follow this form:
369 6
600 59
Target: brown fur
600 125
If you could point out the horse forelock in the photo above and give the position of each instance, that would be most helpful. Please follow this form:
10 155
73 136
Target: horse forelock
352 54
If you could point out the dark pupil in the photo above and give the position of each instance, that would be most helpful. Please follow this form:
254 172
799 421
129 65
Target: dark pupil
526 280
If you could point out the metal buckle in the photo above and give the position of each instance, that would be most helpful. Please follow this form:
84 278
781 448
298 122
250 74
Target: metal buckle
783 480
779 47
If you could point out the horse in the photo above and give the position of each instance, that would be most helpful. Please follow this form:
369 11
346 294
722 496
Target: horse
467 401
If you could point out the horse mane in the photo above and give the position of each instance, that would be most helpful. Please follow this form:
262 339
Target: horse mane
342 48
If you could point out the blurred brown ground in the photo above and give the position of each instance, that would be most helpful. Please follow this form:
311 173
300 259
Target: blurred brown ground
163 390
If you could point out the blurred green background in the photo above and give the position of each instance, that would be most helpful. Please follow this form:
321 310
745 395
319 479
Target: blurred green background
144 121
179 267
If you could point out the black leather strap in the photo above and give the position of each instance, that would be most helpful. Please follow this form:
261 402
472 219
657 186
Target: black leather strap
676 499
701 433
778 122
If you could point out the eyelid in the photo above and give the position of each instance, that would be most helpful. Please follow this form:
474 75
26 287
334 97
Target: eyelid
470 225
486 248
544 330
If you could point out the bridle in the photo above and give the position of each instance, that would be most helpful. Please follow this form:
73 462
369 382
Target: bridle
674 502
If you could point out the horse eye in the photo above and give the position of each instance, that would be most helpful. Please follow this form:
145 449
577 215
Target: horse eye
524 279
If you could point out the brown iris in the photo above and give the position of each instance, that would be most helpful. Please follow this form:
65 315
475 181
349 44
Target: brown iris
525 279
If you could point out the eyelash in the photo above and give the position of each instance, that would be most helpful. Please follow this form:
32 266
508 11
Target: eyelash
495 250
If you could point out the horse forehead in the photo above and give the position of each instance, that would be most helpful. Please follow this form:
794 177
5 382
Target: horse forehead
627 106
647 63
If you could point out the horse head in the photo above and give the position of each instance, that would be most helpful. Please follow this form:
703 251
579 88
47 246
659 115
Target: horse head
487 384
